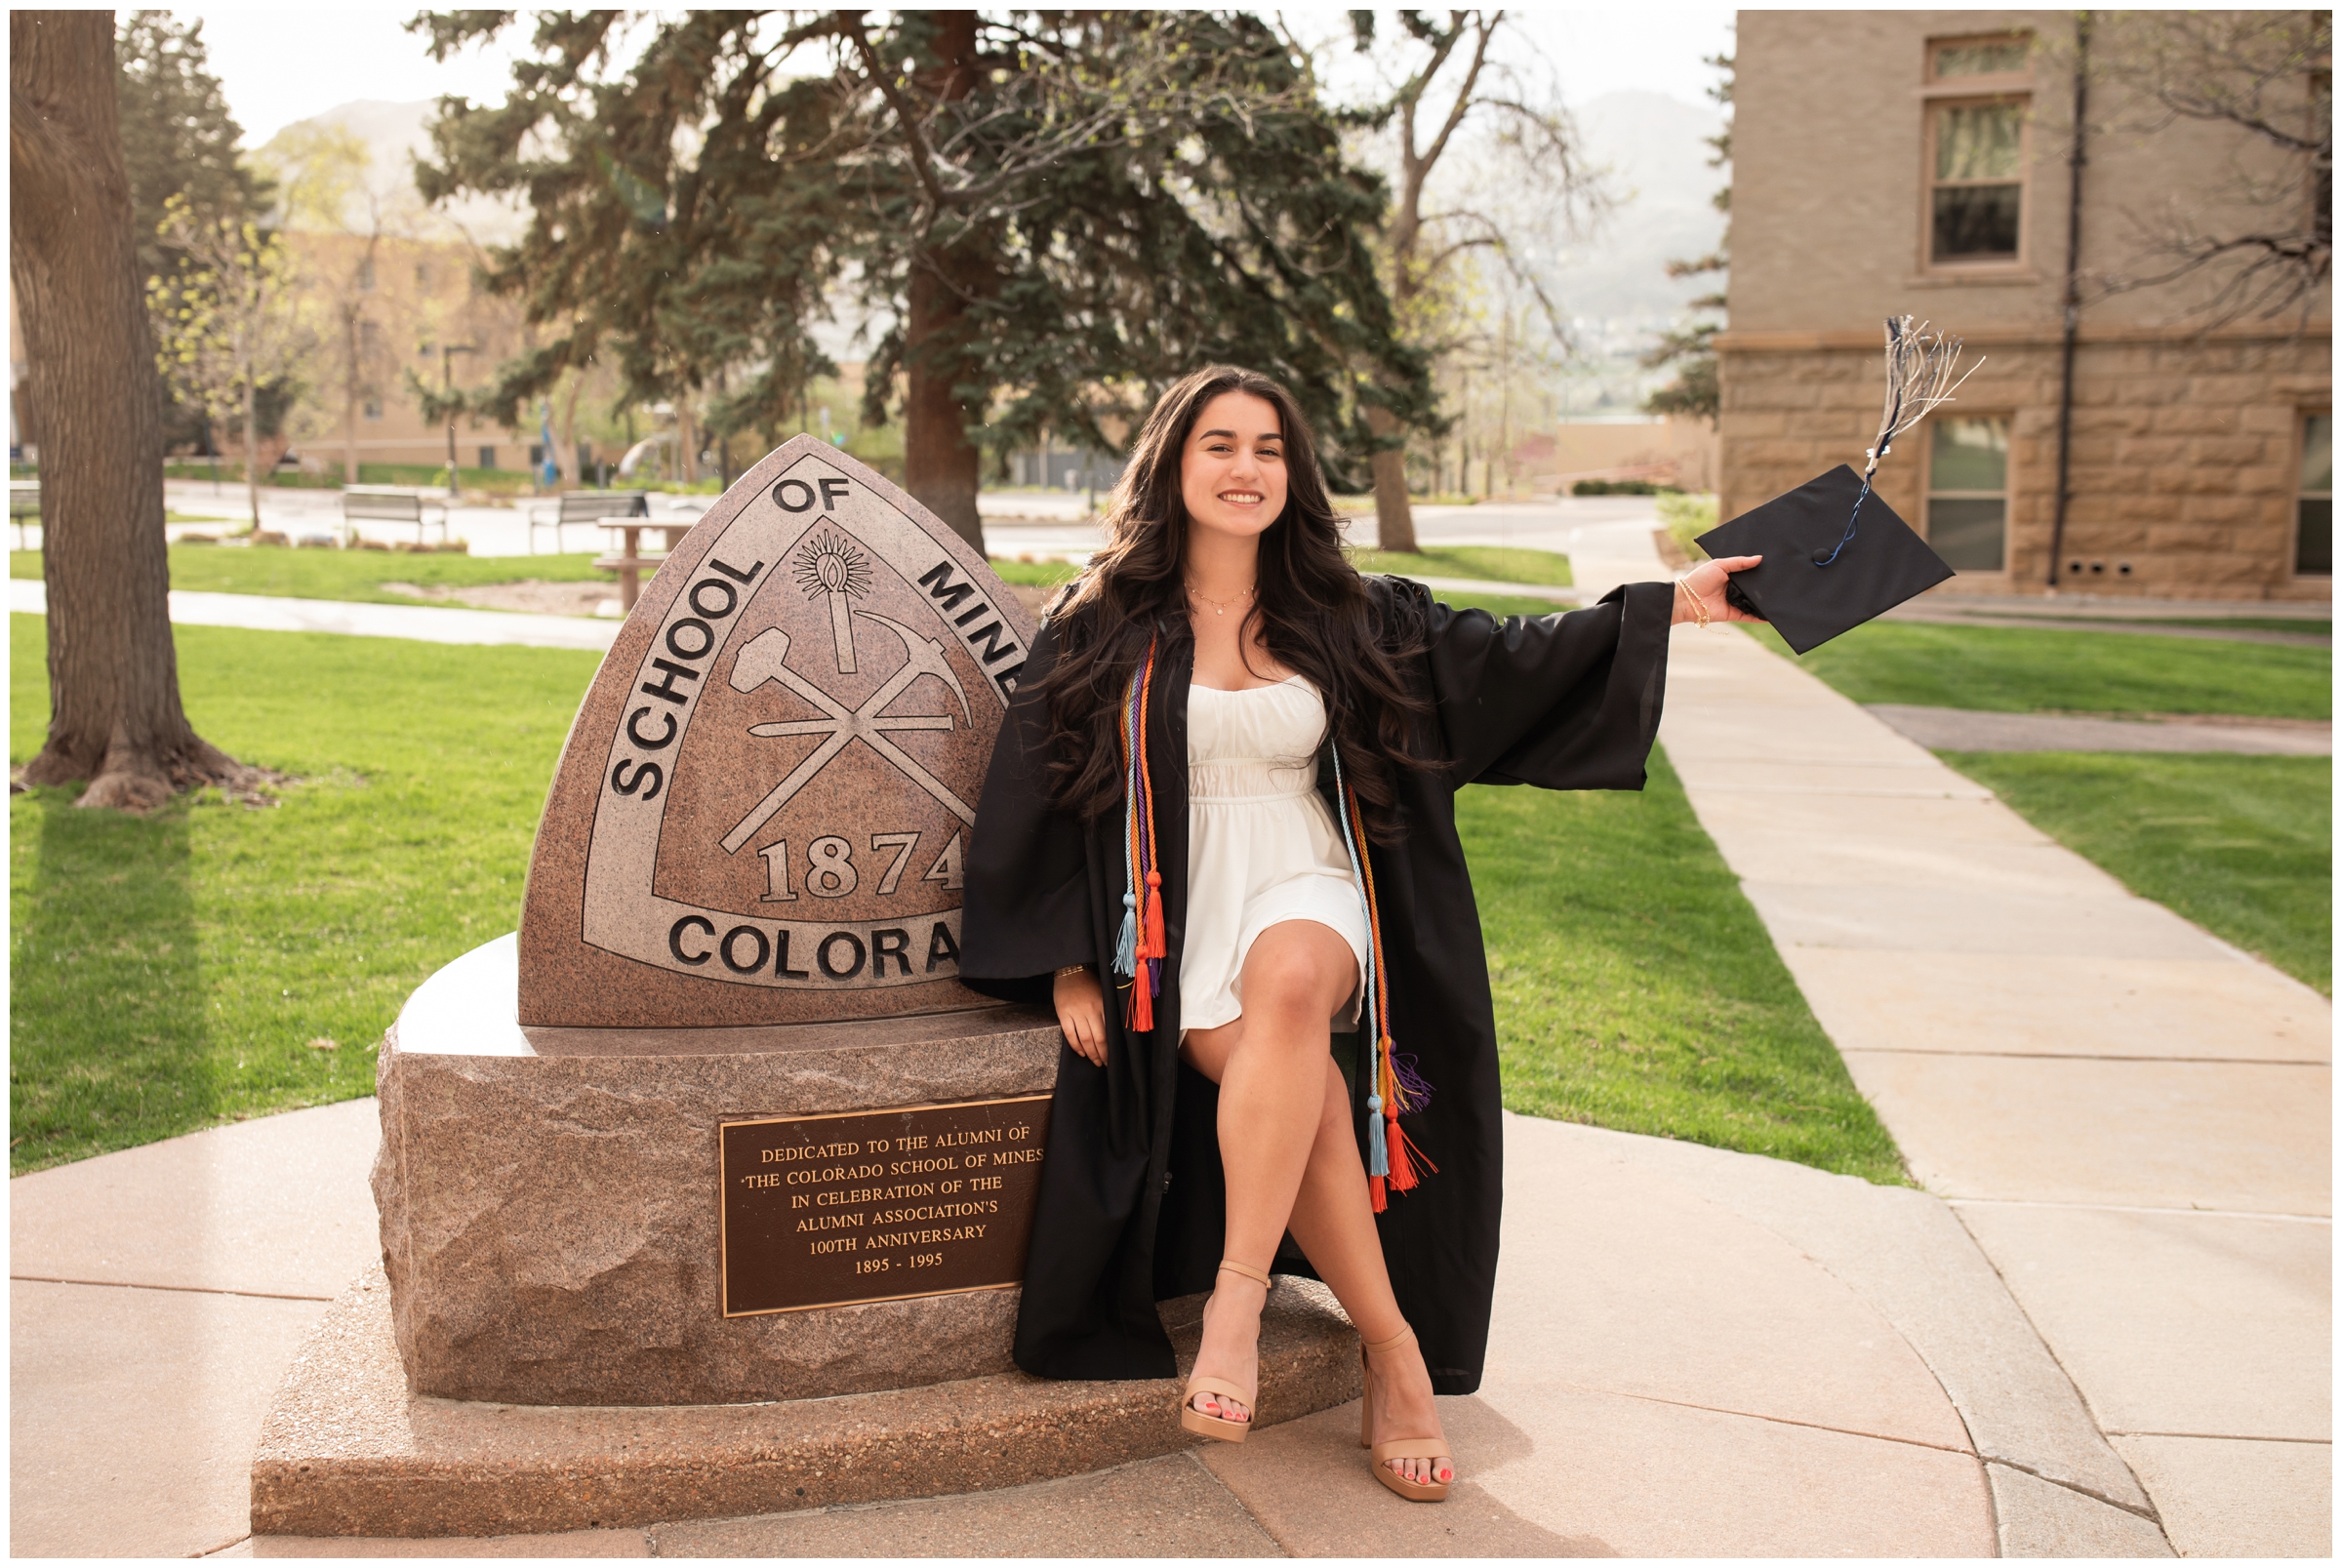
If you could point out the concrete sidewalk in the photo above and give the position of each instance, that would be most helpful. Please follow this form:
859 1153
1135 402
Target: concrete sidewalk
2132 1119
1956 729
255 612
1695 1353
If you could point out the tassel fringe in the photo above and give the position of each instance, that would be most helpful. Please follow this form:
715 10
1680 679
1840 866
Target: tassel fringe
1396 1088
1919 366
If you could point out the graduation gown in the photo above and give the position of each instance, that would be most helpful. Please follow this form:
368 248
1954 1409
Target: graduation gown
1131 1207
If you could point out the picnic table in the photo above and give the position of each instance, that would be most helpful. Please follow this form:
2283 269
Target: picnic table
360 502
629 561
584 506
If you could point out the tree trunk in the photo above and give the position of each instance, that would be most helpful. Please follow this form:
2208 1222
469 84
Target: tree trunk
114 714
349 401
1393 513
573 477
251 447
941 466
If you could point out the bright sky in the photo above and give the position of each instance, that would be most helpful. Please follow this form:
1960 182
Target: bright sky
280 67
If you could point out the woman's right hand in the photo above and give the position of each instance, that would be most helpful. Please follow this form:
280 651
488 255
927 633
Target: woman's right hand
1081 1013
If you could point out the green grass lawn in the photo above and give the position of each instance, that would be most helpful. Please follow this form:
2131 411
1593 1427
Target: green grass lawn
1635 987
2304 627
168 972
1484 563
1034 574
2242 846
2006 670
345 575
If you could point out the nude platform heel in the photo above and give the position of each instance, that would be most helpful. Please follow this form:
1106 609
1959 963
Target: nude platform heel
1400 1447
1215 1426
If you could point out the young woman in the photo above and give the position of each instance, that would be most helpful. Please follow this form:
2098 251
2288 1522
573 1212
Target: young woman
1218 837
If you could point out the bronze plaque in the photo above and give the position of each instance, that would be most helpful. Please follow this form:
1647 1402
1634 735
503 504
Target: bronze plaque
878 1205
762 815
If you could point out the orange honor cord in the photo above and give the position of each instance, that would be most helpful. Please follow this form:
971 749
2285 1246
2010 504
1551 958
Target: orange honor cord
1141 946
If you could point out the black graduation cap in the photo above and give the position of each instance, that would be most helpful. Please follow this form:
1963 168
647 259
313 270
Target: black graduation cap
1834 556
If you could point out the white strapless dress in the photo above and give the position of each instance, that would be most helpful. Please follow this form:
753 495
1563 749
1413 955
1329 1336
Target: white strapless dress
1261 846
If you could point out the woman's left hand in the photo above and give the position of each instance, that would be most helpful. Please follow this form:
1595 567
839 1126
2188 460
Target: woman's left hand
1706 580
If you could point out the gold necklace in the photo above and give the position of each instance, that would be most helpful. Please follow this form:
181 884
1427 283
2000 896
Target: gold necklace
1218 605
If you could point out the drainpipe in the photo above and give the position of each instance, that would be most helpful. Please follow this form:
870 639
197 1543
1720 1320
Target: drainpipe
2075 162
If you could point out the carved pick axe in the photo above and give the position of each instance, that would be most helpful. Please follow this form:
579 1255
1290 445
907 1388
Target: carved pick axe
764 658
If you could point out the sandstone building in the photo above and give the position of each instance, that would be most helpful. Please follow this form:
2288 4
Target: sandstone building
379 308
1891 162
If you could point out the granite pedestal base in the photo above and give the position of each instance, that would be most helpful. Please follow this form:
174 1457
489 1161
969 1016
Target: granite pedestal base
548 1198
349 1451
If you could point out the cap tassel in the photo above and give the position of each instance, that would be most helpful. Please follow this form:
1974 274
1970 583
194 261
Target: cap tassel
1919 380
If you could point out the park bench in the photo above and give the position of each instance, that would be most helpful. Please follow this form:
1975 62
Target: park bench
388 506
23 501
584 506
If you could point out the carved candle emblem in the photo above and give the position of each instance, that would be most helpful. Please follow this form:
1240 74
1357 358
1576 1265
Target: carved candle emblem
832 565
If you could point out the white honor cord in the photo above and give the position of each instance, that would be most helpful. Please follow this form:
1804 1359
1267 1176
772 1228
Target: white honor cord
1357 879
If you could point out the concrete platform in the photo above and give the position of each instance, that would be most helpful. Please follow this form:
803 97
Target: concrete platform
347 1451
1693 1352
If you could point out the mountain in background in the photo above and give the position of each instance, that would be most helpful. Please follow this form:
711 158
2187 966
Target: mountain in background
1655 149
397 134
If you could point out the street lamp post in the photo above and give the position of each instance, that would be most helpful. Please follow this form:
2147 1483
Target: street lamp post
446 374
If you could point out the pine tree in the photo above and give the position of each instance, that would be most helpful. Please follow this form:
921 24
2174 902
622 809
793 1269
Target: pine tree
1691 348
1053 214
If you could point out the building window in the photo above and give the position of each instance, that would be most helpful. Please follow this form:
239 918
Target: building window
1968 492
1953 60
2314 510
373 408
366 276
1976 149
487 457
422 275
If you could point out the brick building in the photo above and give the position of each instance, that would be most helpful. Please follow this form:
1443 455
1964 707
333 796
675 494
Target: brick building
1921 162
379 309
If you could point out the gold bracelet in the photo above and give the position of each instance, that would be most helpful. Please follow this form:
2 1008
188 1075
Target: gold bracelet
1699 607
1075 969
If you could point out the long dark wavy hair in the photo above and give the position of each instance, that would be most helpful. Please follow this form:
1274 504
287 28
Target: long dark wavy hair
1311 606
